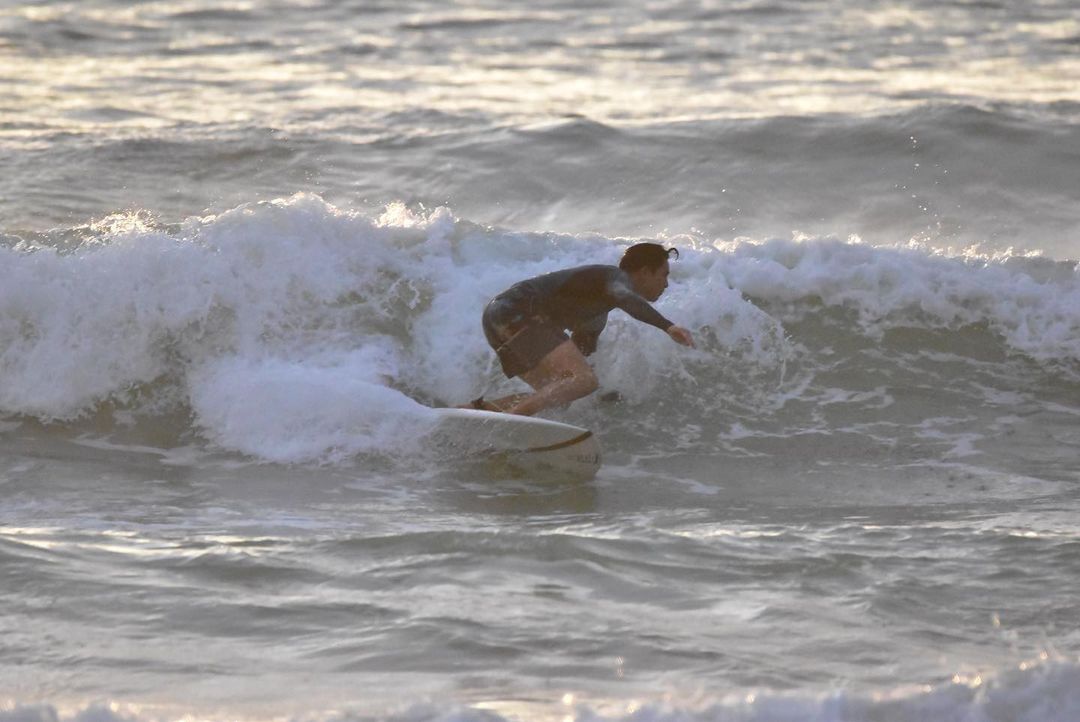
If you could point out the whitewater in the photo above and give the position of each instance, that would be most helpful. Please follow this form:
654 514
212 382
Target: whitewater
244 250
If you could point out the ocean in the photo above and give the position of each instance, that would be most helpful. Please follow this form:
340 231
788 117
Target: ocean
244 249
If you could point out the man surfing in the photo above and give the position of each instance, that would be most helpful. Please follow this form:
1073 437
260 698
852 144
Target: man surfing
527 324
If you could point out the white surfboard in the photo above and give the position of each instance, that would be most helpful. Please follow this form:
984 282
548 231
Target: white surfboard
523 440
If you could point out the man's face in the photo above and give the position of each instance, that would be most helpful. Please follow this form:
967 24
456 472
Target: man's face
651 282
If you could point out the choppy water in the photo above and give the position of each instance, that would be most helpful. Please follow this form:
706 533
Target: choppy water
242 247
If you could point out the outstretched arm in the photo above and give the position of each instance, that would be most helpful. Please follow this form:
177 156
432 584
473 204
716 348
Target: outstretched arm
637 307
642 310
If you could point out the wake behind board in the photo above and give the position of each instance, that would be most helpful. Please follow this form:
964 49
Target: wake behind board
523 440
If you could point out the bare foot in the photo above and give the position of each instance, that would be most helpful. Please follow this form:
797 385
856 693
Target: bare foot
479 404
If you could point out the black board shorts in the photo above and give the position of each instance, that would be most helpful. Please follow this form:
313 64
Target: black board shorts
520 341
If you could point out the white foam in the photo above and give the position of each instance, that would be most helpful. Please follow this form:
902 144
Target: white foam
299 411
297 331
917 285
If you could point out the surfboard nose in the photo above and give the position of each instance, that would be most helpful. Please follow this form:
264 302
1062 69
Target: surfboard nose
524 441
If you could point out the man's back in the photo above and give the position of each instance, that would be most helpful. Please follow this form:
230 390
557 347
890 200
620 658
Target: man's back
575 296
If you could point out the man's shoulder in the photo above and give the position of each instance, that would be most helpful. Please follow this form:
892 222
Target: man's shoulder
593 268
595 279
598 271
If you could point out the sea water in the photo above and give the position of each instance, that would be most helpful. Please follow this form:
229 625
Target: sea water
244 248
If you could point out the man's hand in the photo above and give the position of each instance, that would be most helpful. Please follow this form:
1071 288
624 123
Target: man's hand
681 335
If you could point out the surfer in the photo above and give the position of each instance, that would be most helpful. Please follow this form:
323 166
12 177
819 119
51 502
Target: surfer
527 325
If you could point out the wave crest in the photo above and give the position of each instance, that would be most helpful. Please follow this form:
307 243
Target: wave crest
289 309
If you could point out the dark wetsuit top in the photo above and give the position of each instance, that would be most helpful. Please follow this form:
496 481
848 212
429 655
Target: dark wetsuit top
577 299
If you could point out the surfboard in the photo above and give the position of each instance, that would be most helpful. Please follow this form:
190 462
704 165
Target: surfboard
525 441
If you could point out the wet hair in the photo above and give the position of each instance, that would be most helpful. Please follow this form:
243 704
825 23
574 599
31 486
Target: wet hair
646 255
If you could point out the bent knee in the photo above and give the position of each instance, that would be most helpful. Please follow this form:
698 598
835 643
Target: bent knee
585 382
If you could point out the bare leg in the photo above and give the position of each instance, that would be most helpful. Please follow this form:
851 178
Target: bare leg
561 377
